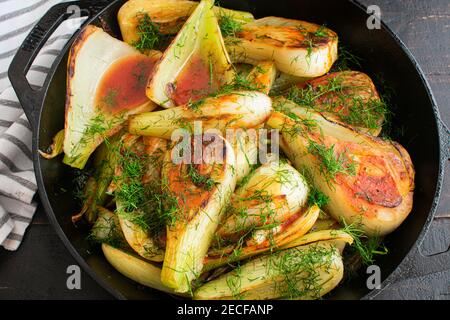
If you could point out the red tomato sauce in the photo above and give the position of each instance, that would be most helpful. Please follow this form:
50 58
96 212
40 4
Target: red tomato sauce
123 85
194 82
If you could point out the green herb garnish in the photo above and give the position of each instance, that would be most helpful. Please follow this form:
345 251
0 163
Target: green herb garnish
317 197
330 163
366 247
149 34
330 97
198 179
300 265
228 25
149 205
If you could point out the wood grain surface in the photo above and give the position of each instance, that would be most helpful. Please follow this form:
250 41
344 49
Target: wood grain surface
38 269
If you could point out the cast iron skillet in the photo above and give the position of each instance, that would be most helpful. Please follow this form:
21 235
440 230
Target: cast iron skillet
382 53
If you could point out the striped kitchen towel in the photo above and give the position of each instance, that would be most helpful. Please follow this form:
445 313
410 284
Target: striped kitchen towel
17 179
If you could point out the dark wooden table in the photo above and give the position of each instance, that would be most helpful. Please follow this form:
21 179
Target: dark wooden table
38 269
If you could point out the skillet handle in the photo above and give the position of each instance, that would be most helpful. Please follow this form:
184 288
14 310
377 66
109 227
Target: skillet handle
29 97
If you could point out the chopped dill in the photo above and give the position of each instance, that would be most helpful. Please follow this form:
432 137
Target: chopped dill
311 39
321 32
150 206
367 113
96 126
300 269
366 247
131 191
195 105
335 94
200 180
240 82
330 163
347 60
307 97
149 34
317 197
228 25
234 283
301 124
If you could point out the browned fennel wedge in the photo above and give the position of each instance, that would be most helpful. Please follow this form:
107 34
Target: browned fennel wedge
244 109
195 64
304 272
138 238
369 181
166 17
347 96
135 268
202 191
298 48
295 227
135 217
106 81
272 194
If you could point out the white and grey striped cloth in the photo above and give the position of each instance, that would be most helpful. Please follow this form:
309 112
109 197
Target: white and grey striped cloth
17 179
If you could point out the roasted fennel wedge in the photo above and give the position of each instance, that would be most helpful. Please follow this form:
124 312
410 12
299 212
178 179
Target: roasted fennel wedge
137 194
106 81
348 96
368 181
195 64
243 109
298 48
202 191
135 268
304 272
143 22
268 210
273 192
140 241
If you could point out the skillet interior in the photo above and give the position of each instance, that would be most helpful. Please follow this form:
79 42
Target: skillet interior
381 54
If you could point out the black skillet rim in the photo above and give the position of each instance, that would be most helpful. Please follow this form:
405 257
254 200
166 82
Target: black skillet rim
114 292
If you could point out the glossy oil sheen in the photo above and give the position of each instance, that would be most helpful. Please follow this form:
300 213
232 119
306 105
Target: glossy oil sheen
194 82
123 85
